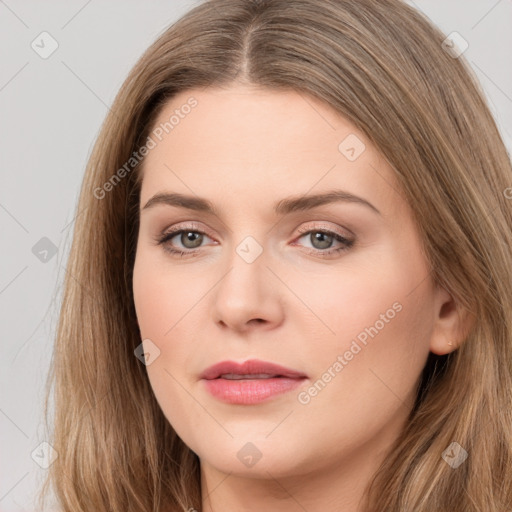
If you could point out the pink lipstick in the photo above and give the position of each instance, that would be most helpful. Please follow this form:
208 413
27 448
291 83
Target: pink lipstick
251 382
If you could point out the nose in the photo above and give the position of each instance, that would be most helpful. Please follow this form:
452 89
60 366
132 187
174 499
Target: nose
248 296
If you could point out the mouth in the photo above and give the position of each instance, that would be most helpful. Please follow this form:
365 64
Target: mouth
251 382
250 369
234 376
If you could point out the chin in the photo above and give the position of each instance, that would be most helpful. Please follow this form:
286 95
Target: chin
253 455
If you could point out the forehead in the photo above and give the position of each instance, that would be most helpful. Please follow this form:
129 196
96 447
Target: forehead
245 139
253 119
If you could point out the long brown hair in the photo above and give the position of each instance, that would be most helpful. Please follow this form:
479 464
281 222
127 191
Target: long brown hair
381 65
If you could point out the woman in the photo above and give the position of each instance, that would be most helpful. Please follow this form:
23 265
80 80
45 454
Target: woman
289 284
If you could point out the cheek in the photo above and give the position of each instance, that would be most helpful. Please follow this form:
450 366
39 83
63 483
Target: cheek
162 299
380 297
383 325
163 295
376 315
366 379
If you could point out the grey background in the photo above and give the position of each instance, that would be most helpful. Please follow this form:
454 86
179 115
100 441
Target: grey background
51 111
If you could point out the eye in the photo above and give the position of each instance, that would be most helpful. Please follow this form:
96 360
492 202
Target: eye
189 237
190 240
322 239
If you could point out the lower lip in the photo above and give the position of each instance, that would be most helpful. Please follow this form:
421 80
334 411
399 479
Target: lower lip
250 391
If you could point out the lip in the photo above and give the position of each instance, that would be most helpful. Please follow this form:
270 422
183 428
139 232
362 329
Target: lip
250 391
249 367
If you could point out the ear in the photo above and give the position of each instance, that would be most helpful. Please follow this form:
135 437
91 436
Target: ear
452 324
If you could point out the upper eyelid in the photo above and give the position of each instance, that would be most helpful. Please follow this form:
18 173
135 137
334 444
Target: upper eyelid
190 227
322 228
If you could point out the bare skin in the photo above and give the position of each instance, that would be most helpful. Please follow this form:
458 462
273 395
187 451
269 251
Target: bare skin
300 303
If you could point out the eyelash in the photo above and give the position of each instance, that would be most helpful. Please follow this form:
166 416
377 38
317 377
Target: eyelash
162 239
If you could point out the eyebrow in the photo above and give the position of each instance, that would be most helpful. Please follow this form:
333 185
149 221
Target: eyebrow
282 207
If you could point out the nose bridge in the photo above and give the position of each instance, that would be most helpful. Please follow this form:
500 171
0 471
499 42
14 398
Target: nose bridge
247 271
247 292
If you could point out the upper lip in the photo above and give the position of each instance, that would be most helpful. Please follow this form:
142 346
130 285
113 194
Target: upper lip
249 367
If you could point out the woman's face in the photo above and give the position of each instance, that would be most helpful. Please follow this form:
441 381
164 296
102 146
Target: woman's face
334 287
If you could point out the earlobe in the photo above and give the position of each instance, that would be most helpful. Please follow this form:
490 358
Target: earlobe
452 324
